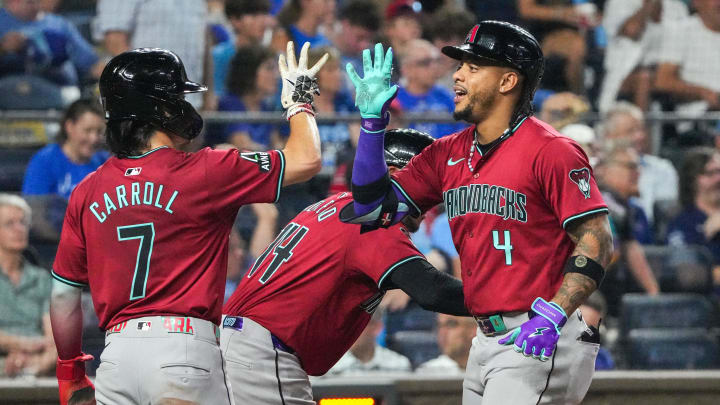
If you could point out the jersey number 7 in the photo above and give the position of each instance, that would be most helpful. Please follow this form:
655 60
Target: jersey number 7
281 249
146 234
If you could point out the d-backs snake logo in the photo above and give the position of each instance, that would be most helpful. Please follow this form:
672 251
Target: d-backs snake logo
581 177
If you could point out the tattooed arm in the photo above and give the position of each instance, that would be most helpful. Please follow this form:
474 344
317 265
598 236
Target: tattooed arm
593 239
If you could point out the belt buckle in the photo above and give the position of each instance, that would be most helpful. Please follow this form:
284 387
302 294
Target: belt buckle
492 325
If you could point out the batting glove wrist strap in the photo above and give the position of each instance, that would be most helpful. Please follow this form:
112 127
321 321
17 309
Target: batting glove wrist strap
375 125
550 311
298 108
72 369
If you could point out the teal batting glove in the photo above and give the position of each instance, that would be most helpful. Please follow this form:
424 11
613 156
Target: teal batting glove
373 92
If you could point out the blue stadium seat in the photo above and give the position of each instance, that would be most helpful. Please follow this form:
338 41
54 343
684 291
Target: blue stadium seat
639 311
413 317
13 162
670 349
26 92
418 346
685 268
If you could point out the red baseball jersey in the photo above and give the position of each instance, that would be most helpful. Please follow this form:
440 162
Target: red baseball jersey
149 234
507 217
317 284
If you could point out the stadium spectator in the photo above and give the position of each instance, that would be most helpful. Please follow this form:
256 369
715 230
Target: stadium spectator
699 221
252 85
43 44
55 170
556 24
358 23
454 337
585 137
594 310
689 57
334 99
179 25
448 27
418 92
564 108
402 24
658 183
250 19
617 174
26 343
303 21
366 356
635 29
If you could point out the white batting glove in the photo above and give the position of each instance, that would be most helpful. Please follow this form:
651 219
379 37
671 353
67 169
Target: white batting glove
299 84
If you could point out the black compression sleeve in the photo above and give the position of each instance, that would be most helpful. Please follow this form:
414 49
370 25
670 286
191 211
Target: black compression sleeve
431 288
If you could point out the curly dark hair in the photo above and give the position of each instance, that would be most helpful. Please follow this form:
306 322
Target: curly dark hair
244 66
128 137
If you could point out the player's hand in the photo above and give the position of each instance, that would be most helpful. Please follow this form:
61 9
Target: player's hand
373 93
538 336
74 386
299 84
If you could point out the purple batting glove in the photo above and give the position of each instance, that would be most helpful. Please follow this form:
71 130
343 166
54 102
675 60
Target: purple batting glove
538 336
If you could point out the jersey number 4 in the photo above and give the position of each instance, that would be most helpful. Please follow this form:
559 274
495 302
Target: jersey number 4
146 234
281 249
506 246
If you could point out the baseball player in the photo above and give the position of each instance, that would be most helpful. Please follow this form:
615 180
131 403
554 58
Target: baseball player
526 216
310 295
148 233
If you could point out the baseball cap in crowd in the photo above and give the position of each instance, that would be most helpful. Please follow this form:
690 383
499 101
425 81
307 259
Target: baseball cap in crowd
399 8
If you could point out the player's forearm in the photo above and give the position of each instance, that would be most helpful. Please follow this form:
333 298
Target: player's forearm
66 319
430 288
593 241
302 150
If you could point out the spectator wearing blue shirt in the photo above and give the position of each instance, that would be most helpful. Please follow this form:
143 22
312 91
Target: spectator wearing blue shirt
418 92
55 170
252 85
302 21
43 44
250 19
699 221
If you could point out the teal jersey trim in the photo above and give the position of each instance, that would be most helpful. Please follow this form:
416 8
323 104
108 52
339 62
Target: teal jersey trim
66 281
281 176
395 266
148 152
405 194
574 217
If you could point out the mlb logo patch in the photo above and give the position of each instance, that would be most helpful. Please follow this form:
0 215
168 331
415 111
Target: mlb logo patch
144 326
133 171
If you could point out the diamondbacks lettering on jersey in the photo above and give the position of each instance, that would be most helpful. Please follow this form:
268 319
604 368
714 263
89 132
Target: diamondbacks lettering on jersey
486 199
144 193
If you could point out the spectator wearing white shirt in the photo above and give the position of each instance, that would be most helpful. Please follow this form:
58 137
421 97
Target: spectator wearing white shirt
635 33
658 180
454 336
177 25
366 356
689 61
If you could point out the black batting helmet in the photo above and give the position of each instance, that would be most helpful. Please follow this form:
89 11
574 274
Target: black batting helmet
149 85
510 45
401 144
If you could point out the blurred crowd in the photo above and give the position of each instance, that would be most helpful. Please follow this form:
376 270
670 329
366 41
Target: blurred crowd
609 63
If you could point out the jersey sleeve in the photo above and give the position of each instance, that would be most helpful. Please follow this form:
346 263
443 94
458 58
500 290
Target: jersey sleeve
381 251
70 266
420 181
566 180
237 178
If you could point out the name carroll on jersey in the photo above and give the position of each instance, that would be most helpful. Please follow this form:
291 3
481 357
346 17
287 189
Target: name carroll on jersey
139 193
486 199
